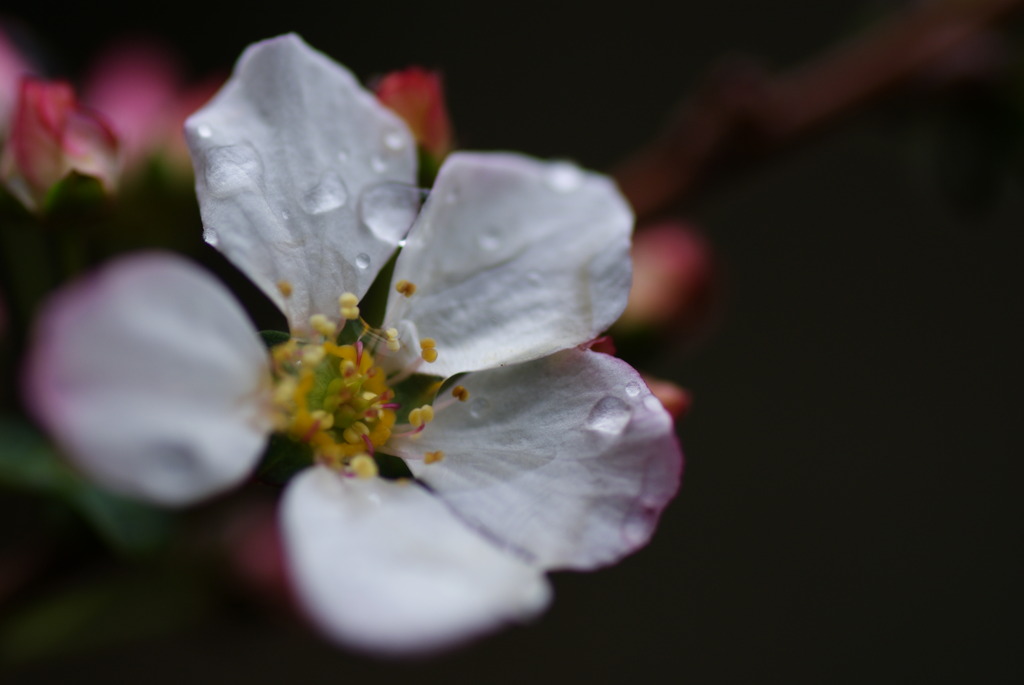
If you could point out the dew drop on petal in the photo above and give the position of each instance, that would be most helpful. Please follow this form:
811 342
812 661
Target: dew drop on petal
232 169
378 165
533 277
652 403
326 196
452 197
210 237
632 388
479 407
488 241
394 141
204 131
389 209
609 415
285 216
564 177
363 261
343 155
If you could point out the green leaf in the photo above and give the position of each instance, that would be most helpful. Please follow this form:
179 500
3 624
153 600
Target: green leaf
29 463
282 459
274 338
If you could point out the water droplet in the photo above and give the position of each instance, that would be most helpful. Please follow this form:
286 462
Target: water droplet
285 216
533 277
389 209
378 165
363 261
565 177
204 131
232 169
652 403
343 155
479 407
609 415
326 196
452 197
632 388
394 141
488 241
210 237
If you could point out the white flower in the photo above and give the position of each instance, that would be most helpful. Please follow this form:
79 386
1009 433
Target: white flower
543 456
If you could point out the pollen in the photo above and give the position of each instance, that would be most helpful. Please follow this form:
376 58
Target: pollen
348 305
393 344
460 393
406 288
428 350
363 466
433 457
322 325
285 288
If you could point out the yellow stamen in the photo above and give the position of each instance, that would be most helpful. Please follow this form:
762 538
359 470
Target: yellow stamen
428 413
348 306
428 350
363 466
393 343
416 418
406 288
433 457
285 288
460 393
322 325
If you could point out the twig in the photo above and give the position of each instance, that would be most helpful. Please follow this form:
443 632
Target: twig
742 114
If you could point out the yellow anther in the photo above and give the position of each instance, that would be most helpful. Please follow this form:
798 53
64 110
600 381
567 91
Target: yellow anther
363 466
427 343
348 368
348 306
369 396
460 393
427 413
433 457
406 288
285 288
416 418
393 343
429 355
352 435
323 419
313 355
322 325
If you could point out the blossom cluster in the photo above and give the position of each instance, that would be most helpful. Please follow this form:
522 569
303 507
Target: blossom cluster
439 456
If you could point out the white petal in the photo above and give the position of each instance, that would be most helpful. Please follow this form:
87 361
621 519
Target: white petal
384 566
567 459
514 259
152 379
286 155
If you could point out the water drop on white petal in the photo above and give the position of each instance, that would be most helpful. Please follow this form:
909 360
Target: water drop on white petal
329 194
632 388
204 131
389 209
378 165
363 261
479 407
452 197
342 155
652 403
565 177
394 141
533 277
284 215
488 241
609 415
232 169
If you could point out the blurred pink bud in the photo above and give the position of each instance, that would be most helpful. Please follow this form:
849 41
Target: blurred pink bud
12 67
417 95
51 136
135 85
676 400
673 278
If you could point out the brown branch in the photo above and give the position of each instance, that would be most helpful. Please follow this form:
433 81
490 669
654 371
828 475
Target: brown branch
742 114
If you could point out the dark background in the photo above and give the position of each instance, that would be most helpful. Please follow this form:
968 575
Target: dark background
850 505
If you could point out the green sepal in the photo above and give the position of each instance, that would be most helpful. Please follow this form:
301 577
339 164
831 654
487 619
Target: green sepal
415 391
390 467
29 463
74 195
429 165
282 459
274 338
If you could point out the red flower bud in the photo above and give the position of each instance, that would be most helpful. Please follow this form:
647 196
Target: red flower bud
417 95
52 136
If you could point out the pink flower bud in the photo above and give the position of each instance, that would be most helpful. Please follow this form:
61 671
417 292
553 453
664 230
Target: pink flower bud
12 67
673 278
51 136
676 400
417 95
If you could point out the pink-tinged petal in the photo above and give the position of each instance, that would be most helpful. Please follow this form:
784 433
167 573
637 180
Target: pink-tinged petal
568 459
150 376
417 95
13 66
385 567
288 158
135 85
513 259
51 136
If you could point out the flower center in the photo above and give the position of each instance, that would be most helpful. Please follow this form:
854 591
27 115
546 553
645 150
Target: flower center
336 399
